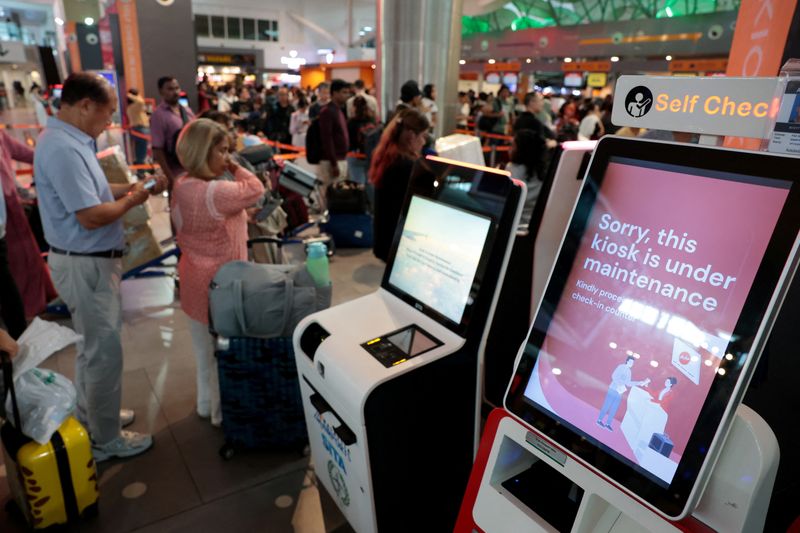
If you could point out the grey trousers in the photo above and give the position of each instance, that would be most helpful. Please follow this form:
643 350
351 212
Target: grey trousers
90 288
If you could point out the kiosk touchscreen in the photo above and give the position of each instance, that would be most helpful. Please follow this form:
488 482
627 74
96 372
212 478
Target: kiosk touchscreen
669 278
389 380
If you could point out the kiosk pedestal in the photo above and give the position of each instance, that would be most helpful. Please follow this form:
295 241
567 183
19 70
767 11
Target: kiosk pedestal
521 482
389 380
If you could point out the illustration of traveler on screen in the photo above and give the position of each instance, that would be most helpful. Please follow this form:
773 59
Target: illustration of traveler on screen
620 382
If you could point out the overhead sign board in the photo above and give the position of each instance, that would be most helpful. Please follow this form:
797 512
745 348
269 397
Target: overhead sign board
597 79
713 106
503 67
587 66
698 65
242 60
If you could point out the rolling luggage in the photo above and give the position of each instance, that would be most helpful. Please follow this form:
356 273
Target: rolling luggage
350 230
350 224
54 483
661 443
260 394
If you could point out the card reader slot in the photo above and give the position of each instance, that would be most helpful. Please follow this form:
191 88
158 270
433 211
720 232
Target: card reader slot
322 406
319 403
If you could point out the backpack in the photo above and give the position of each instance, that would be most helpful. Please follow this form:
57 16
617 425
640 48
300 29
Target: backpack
371 140
170 150
347 197
314 143
487 124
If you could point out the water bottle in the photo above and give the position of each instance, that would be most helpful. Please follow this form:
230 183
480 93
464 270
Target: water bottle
317 264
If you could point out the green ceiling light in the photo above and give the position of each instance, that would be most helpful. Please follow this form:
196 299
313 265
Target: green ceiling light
523 14
523 23
470 25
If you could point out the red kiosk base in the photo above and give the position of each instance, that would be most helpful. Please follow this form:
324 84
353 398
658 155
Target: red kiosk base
522 482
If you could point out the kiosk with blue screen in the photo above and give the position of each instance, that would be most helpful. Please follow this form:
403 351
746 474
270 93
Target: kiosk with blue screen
389 380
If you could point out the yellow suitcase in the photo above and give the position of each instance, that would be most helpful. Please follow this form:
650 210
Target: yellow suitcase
54 483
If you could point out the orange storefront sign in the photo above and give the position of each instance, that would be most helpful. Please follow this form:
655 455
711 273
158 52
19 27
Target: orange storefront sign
698 65
762 28
502 67
129 35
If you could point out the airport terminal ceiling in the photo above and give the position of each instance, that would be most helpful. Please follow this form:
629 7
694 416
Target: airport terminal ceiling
487 17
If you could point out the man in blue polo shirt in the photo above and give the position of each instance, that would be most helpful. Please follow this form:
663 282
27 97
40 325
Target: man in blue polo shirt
81 215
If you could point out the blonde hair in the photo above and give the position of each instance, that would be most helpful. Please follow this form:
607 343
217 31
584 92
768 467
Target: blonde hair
195 144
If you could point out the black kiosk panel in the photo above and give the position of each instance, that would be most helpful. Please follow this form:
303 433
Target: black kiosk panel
446 237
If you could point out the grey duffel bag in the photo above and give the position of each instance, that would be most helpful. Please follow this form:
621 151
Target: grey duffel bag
263 300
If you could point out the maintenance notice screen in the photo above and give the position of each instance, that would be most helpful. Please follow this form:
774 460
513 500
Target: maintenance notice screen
660 278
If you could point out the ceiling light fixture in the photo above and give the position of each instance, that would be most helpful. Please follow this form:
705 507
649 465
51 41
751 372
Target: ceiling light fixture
668 58
59 21
567 60
614 59
491 61
462 62
88 21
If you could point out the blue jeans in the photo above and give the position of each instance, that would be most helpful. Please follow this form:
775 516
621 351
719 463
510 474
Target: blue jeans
140 145
610 406
357 170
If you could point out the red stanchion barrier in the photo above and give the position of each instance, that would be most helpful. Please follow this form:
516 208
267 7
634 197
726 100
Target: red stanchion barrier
20 127
144 167
135 133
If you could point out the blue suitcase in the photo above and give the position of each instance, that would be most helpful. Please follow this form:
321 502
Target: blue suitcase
350 230
260 394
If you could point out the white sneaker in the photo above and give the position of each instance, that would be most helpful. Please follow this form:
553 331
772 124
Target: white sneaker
128 444
126 417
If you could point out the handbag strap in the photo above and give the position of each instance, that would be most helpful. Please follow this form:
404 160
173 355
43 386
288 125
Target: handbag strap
238 309
8 379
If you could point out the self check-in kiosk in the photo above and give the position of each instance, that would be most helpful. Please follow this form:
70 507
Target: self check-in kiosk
624 410
389 380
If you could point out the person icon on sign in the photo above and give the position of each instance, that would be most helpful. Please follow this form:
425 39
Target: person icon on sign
637 109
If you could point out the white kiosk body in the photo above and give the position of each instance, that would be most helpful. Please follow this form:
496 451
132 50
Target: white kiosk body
389 380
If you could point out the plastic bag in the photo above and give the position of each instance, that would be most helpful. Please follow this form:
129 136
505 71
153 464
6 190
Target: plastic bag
39 341
45 400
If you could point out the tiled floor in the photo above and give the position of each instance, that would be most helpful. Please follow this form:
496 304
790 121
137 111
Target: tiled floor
182 484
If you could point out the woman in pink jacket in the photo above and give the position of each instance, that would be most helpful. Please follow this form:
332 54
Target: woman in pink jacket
211 224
